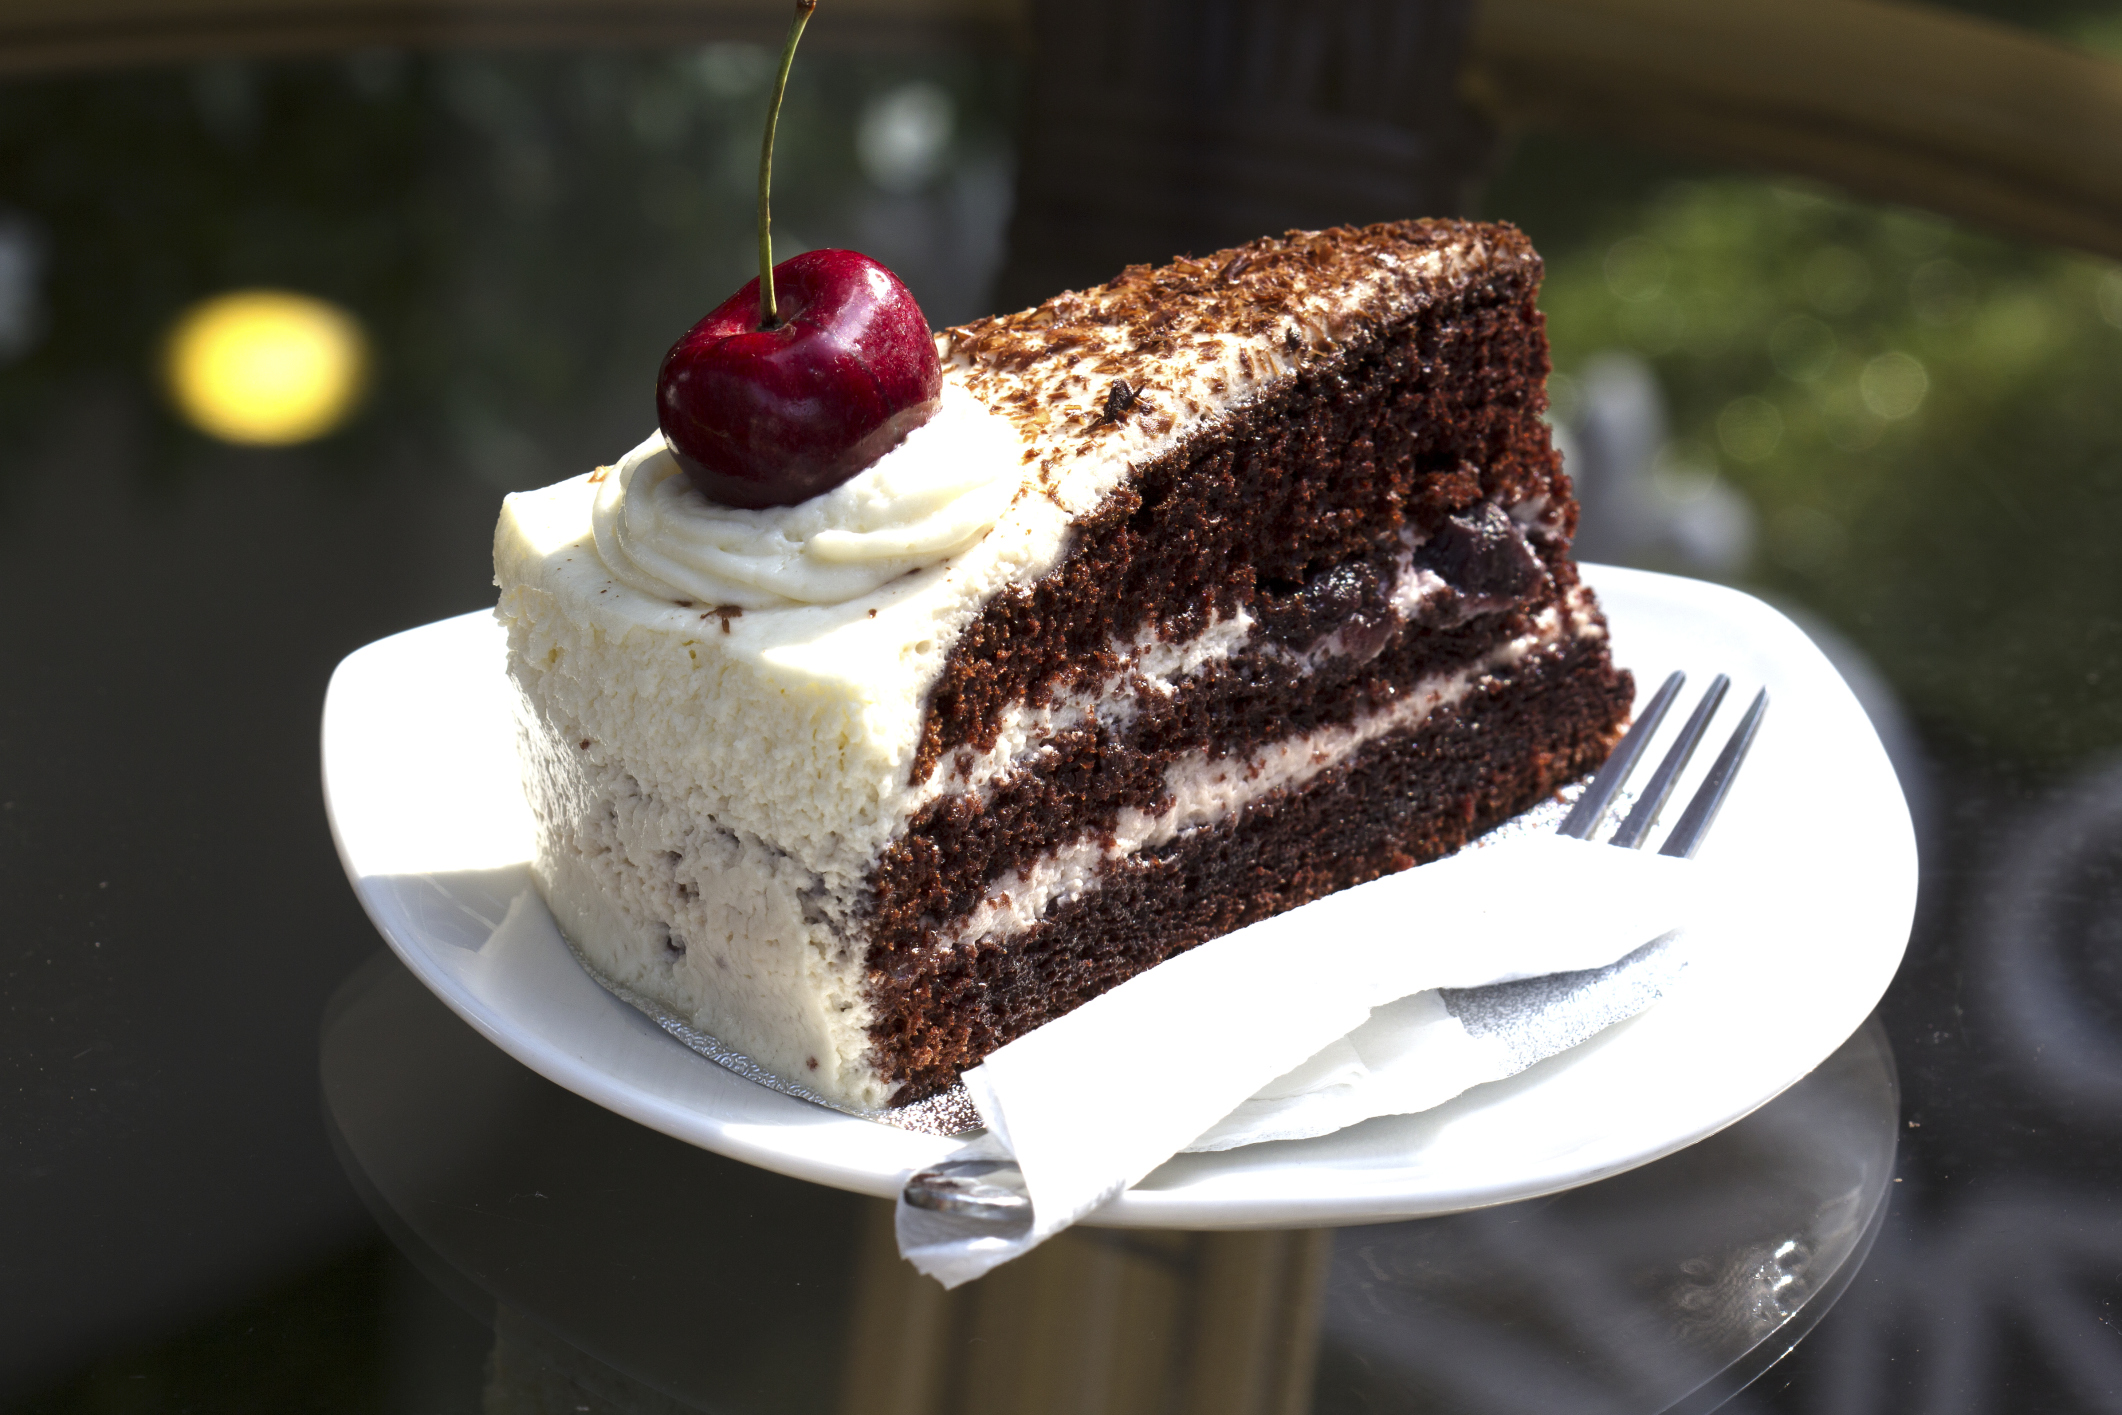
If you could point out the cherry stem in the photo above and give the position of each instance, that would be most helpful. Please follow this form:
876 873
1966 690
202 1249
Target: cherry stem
769 312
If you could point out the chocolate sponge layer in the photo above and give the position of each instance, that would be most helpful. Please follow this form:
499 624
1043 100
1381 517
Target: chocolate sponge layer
1398 802
1411 424
1422 437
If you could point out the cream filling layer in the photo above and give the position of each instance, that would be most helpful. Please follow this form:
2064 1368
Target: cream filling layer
1148 665
1156 666
1206 790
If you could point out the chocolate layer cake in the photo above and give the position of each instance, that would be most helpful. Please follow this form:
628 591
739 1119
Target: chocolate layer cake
1210 591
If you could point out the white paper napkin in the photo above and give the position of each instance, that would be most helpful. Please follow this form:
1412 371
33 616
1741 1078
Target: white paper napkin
1421 1051
1269 1032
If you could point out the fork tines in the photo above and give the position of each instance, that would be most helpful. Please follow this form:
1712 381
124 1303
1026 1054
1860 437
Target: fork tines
1590 811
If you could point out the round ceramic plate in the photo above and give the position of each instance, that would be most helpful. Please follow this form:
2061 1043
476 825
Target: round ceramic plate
420 782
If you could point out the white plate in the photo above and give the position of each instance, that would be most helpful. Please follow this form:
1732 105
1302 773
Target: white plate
420 782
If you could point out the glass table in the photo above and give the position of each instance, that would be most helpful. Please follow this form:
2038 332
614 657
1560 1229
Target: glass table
615 1260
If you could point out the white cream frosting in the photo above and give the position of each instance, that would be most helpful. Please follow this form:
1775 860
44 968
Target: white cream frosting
927 499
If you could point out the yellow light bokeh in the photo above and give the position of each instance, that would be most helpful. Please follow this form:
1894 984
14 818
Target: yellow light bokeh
266 367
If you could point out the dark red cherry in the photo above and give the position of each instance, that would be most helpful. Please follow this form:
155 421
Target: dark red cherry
770 417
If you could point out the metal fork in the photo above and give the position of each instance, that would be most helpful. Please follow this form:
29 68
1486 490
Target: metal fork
1590 811
993 1189
984 1189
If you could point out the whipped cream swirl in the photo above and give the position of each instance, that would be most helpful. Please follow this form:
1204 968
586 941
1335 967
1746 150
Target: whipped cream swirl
935 494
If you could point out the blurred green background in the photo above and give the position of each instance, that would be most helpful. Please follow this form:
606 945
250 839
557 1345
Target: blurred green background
1921 421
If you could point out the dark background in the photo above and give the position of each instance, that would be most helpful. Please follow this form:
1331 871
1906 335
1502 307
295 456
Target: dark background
522 234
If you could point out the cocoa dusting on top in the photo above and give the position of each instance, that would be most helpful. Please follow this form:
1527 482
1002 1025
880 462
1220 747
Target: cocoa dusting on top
1120 400
1279 304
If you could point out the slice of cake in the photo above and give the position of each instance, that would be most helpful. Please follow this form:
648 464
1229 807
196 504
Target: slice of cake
1206 592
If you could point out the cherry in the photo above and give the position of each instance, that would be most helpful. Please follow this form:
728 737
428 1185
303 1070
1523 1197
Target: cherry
773 416
774 409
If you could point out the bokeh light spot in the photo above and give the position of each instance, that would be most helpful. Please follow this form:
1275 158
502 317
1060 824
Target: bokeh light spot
1893 385
266 367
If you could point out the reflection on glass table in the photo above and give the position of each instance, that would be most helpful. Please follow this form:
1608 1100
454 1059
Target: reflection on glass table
640 1274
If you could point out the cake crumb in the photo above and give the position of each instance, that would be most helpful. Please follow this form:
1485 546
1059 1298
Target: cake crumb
1121 399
